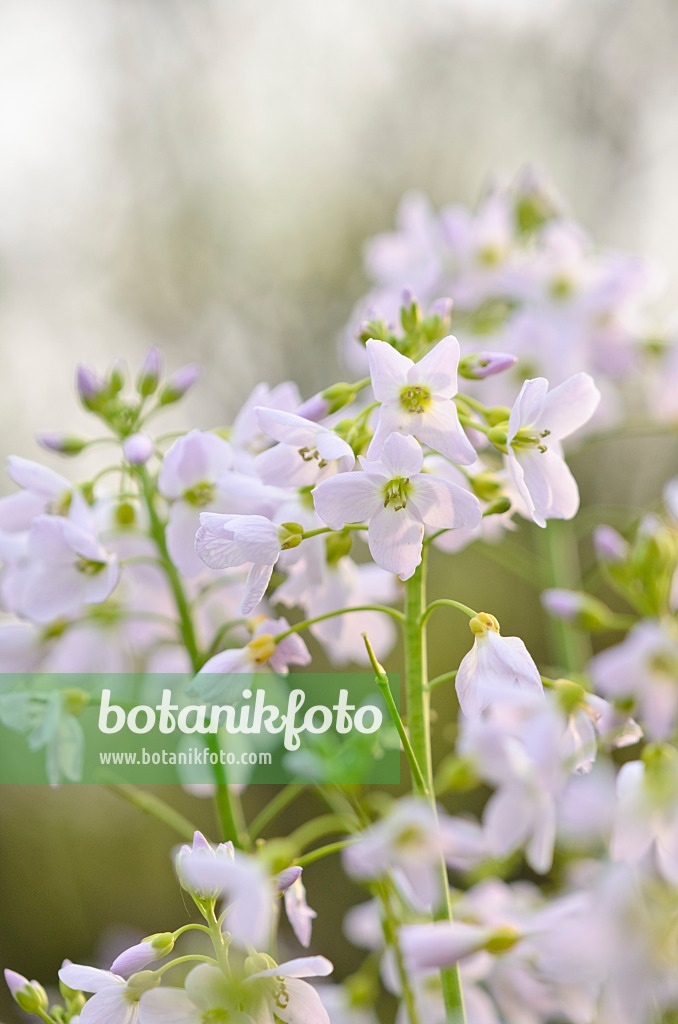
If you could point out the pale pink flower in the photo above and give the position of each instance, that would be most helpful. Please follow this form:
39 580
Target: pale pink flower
399 501
539 421
306 451
417 398
227 541
496 668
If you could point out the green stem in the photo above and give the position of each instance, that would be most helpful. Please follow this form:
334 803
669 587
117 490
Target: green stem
316 828
393 612
383 684
274 807
157 808
419 721
323 851
446 677
571 647
229 814
446 602
187 959
390 928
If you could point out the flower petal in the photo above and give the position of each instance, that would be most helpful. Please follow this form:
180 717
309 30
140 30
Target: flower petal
388 370
444 505
438 369
395 539
168 1006
346 498
441 430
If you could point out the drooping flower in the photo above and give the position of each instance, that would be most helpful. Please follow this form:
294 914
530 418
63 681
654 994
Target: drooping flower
417 398
262 653
299 914
495 668
540 419
399 501
305 453
197 476
227 541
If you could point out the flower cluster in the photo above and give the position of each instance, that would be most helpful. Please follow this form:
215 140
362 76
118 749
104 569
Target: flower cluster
529 876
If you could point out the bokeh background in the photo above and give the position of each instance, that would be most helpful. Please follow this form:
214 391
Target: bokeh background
202 176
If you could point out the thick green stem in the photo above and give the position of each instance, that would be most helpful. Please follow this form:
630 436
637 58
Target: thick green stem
419 721
571 647
230 817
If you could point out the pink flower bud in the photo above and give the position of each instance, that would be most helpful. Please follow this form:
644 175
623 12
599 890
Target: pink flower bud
486 364
179 383
137 449
149 375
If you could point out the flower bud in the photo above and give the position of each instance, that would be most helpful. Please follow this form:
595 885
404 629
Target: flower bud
609 545
116 378
315 408
179 383
482 622
29 996
410 313
498 436
137 957
337 545
142 982
378 329
149 375
90 388
339 395
61 443
125 514
580 609
485 364
74 700
137 449
498 507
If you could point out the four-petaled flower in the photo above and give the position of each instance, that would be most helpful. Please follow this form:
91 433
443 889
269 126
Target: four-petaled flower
539 421
417 398
399 501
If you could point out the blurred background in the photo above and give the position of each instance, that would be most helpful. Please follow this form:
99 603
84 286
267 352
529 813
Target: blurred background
202 176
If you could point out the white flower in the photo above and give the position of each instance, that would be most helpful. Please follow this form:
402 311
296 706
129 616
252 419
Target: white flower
222 872
416 398
408 843
495 668
224 542
539 421
115 1001
196 476
399 501
299 914
646 814
304 451
42 491
209 995
65 567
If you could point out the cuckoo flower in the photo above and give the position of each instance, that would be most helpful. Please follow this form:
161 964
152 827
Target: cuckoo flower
417 398
66 567
539 421
304 451
495 668
196 476
643 667
646 812
224 542
398 501
115 1001
42 491
260 654
265 989
409 843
